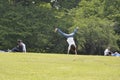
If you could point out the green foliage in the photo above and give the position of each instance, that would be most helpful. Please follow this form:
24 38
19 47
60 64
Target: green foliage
112 11
96 35
96 32
68 4
34 22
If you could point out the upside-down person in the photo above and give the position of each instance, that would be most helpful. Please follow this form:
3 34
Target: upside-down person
70 39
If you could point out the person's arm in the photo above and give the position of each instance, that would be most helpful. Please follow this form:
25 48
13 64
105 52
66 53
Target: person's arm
68 51
20 48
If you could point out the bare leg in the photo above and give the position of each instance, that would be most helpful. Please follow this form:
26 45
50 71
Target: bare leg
68 51
75 52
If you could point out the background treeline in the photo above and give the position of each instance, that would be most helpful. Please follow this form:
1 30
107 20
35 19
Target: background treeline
34 22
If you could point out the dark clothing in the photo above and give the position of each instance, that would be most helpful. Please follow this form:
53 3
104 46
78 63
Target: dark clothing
19 48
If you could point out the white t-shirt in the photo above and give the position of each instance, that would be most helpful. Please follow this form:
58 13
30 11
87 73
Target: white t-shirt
106 52
24 47
70 41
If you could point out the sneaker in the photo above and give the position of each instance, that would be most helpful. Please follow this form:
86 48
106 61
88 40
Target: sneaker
56 29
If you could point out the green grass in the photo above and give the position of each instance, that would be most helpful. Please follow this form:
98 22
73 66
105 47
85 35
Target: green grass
29 66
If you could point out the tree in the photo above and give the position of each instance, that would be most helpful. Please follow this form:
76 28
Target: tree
96 32
34 22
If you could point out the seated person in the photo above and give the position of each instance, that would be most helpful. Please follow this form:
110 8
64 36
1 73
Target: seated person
107 52
21 47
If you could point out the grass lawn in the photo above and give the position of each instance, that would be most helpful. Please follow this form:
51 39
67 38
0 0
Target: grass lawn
37 66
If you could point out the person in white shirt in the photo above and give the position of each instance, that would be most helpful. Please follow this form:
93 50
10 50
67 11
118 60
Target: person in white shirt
70 39
21 47
107 52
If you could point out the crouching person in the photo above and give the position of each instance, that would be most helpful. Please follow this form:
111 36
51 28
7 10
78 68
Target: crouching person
107 52
21 47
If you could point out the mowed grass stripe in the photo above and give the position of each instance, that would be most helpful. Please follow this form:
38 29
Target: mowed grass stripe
38 66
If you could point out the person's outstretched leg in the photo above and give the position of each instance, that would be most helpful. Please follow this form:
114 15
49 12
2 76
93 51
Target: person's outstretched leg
15 49
62 33
74 32
75 51
67 35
